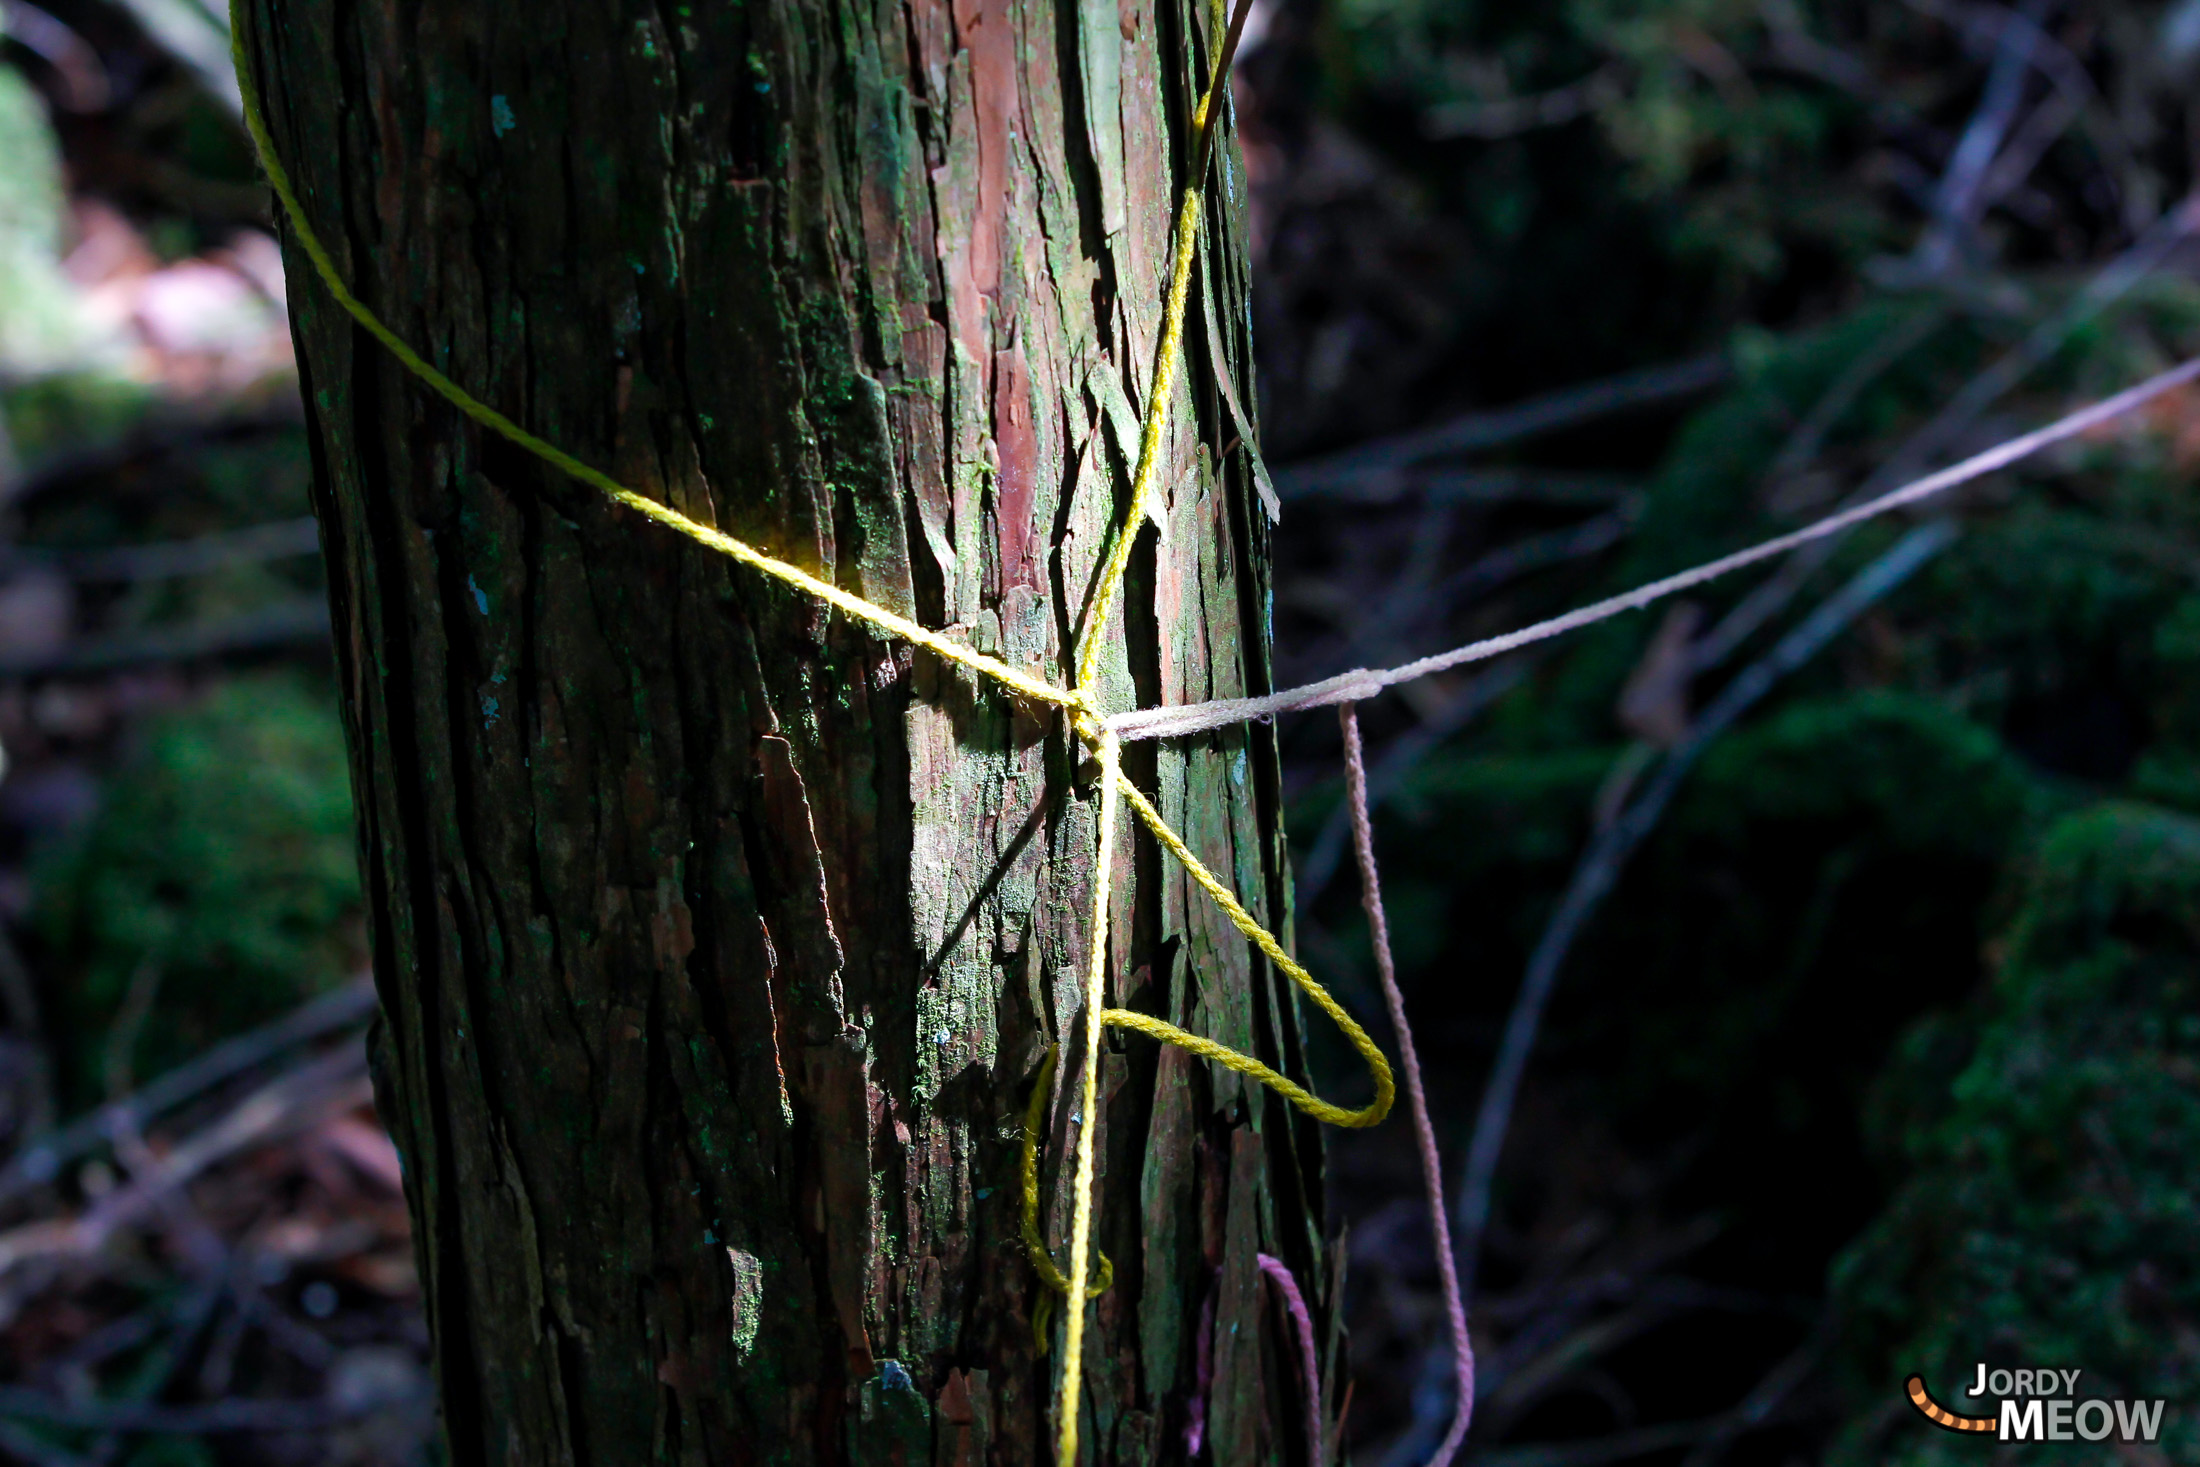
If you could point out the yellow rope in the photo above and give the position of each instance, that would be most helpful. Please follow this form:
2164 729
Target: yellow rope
1150 431
1034 1244
488 417
1088 1106
1079 703
1244 1064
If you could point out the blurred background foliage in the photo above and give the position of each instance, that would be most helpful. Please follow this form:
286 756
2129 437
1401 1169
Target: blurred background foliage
1879 1053
182 1080
1876 1056
217 880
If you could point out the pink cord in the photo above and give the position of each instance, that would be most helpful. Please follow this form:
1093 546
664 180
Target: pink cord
1432 1172
1294 1301
1203 1356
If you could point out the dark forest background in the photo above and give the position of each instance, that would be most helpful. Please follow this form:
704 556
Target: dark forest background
1872 1041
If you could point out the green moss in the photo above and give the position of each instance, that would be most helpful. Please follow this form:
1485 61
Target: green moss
1920 773
72 411
2050 1213
223 855
1817 874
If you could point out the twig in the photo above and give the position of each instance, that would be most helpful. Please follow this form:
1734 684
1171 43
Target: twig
84 83
319 1087
1399 616
1544 1312
1412 591
197 39
120 1061
1803 445
1527 1383
299 622
1620 1446
1956 204
1480 486
110 1339
2112 283
1982 26
1505 117
35 1449
151 1379
276 540
1795 49
1362 683
41 1162
1540 552
2020 158
1368 467
1653 1305
210 1419
198 1243
1600 864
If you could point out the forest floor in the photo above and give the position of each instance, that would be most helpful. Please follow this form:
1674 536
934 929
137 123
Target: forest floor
204 1249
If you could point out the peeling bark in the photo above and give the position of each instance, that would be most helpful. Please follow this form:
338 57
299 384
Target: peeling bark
719 942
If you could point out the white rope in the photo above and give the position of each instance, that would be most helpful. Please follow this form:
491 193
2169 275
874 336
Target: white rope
1361 683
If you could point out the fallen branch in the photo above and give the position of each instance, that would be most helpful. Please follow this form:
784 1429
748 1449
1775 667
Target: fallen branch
1657 1303
1601 863
1362 683
167 430
1414 604
213 1418
2111 284
34 1449
41 1162
163 560
1374 469
323 1086
300 622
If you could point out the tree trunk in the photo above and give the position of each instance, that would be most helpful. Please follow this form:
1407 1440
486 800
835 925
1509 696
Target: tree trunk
719 941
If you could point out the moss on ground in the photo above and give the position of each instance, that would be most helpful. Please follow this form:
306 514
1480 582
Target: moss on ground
2049 1214
220 865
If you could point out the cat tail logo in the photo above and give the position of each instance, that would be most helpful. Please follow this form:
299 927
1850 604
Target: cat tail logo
1940 1415
2042 1418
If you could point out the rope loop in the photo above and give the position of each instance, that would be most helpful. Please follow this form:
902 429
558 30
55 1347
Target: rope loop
1035 1245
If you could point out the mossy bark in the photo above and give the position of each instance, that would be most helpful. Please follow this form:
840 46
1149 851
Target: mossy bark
720 942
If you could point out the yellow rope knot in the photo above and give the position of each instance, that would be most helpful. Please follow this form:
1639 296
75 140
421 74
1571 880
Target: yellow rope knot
1084 718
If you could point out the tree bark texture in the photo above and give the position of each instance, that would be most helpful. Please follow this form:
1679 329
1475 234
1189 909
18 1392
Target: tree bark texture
720 942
